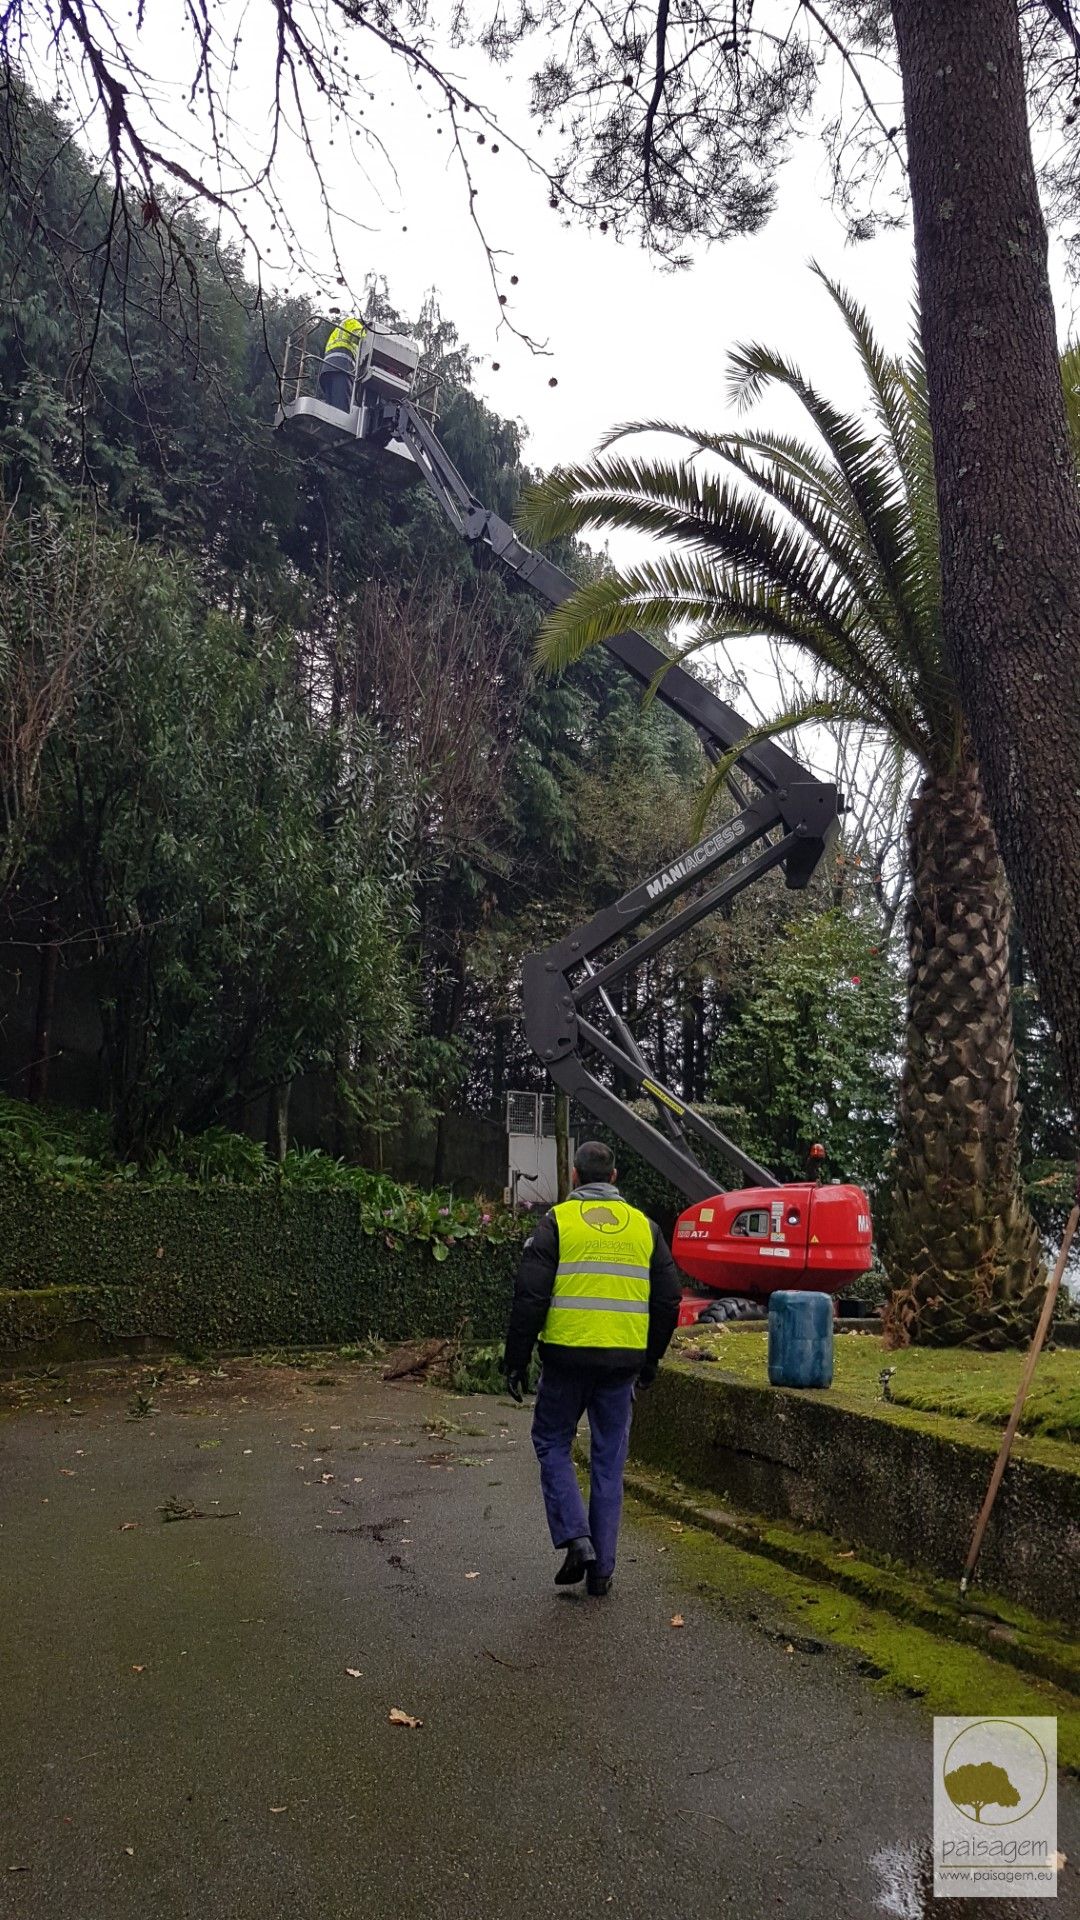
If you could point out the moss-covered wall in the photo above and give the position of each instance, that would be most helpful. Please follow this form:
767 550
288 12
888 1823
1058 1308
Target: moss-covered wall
906 1487
230 1267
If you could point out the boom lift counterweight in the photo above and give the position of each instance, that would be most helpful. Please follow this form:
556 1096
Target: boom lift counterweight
767 1235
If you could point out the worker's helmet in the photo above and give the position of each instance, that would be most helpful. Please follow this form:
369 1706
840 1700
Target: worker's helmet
353 325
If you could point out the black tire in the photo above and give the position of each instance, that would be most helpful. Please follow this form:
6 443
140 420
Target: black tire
734 1307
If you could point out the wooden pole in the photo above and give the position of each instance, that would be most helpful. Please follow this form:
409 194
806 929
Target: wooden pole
562 1143
1026 1377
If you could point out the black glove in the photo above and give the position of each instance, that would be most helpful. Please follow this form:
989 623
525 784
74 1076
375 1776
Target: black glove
648 1374
517 1382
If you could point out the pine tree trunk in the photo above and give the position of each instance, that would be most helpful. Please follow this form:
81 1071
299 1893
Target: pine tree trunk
963 1249
1006 483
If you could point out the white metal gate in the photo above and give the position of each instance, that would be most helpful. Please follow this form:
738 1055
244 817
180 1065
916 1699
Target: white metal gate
532 1171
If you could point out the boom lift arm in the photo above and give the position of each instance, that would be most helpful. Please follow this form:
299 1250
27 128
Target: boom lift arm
790 824
789 821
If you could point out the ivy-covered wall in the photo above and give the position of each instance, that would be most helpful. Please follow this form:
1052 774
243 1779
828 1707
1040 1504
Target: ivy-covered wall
230 1267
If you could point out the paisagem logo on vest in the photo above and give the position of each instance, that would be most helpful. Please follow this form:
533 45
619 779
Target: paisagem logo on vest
605 1216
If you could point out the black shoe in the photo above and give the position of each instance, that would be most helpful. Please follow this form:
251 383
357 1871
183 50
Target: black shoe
598 1584
580 1555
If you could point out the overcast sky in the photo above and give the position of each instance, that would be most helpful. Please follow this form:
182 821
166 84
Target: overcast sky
626 337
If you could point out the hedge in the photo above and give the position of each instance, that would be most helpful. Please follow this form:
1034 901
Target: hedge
231 1267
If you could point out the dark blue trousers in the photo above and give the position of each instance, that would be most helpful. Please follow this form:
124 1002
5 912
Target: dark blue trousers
563 1395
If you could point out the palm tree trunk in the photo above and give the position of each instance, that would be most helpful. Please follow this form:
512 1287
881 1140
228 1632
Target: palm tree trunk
963 1249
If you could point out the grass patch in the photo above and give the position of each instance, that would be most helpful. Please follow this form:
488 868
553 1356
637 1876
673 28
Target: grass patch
953 1382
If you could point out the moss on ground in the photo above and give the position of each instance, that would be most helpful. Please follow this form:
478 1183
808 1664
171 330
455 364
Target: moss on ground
954 1382
896 1655
988 1621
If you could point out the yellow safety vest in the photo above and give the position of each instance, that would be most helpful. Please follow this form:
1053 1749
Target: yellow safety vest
601 1292
346 338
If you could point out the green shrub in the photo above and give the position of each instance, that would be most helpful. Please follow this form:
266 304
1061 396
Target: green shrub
70 1151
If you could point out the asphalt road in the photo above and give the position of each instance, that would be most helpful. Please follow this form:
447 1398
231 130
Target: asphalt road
181 1738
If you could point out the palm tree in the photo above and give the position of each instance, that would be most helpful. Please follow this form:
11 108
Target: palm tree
829 543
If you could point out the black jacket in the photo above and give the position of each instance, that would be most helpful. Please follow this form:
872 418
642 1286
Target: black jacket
532 1297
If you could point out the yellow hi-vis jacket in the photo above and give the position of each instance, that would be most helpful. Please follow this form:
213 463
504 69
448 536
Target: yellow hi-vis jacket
347 337
601 1293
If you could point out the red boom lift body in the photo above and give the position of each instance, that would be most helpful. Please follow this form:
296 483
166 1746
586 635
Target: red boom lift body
760 1239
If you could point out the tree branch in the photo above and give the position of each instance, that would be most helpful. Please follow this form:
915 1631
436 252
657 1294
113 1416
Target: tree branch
1061 11
662 13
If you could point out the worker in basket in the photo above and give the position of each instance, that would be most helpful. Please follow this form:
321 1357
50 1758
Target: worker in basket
339 362
598 1287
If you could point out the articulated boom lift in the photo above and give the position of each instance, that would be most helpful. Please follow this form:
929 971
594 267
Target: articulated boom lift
766 1235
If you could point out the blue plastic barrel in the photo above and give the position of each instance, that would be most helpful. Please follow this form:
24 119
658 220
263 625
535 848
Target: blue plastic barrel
801 1340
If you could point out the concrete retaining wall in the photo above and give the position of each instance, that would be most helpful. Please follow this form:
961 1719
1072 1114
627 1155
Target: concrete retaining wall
907 1487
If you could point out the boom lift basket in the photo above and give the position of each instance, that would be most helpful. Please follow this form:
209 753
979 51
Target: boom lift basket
386 371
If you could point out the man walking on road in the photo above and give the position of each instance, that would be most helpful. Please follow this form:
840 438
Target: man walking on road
598 1288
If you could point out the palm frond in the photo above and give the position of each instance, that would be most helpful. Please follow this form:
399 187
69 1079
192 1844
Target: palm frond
817 707
826 539
870 474
804 559
900 403
678 593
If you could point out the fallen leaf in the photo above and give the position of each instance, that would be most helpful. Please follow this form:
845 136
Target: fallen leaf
1058 1862
677 1620
399 1718
326 1478
130 1851
472 1576
846 1556
789 1648
283 1809
138 1669
677 1526
68 1473
353 1673
127 1526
